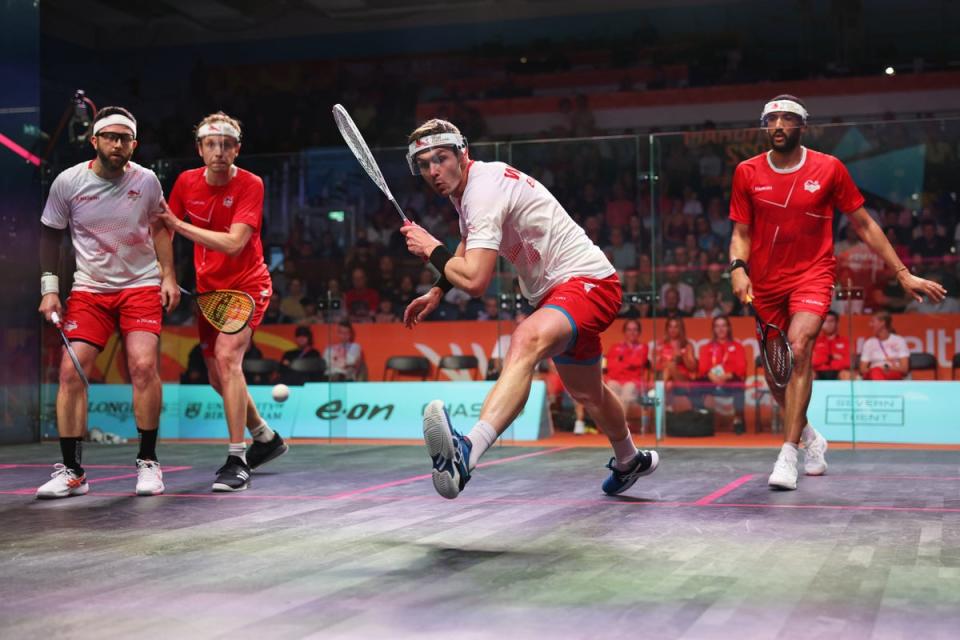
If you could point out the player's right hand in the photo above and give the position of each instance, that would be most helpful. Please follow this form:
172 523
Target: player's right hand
742 286
421 307
49 304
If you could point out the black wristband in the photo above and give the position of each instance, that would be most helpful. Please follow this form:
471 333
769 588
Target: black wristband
444 284
439 258
735 264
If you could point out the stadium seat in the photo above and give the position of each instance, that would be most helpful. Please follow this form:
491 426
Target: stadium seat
955 366
304 370
459 363
924 362
407 365
259 370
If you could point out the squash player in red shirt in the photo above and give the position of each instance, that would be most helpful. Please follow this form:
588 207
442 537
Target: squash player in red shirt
225 207
782 205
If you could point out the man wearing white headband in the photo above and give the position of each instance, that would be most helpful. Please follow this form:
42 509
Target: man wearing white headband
567 278
783 203
225 206
112 206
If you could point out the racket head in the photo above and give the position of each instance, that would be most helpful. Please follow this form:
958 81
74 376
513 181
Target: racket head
776 352
227 310
354 139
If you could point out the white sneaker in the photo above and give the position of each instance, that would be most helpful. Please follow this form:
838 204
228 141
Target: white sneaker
64 482
814 458
149 478
784 474
579 428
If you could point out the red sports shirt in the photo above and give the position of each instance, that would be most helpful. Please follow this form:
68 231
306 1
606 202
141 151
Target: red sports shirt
790 214
627 362
730 355
216 208
831 354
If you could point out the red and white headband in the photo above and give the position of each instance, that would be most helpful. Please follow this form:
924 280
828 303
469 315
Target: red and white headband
116 118
218 128
446 139
783 106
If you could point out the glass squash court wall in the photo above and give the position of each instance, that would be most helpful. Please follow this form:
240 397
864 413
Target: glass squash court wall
657 203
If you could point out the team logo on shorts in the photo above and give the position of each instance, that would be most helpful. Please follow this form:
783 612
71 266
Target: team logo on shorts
228 201
588 286
812 186
69 325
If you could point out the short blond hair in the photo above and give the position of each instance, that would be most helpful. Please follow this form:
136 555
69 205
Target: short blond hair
219 116
431 127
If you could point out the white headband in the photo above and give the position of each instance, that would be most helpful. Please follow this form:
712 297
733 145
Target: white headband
425 143
116 118
785 106
218 128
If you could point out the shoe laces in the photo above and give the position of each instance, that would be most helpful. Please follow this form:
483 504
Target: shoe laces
148 467
784 464
60 469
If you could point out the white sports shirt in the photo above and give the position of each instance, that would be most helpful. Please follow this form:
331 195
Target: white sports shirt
508 211
875 353
109 224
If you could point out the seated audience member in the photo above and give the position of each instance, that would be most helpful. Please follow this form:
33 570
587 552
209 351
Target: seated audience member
290 304
360 292
196 372
344 356
686 302
310 313
628 369
707 306
930 245
303 336
885 355
336 308
253 353
621 254
831 351
492 311
425 281
723 368
675 360
671 304
386 312
273 314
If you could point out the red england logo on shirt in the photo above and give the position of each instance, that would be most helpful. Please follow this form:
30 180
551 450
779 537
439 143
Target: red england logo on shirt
228 201
812 186
133 194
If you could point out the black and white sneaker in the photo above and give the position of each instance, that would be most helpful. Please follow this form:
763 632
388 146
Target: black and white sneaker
261 453
234 475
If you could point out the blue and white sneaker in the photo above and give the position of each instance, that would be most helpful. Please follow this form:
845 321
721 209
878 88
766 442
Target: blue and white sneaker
643 464
449 450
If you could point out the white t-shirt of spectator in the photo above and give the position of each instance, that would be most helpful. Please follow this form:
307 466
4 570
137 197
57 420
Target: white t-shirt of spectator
343 359
109 224
875 352
506 210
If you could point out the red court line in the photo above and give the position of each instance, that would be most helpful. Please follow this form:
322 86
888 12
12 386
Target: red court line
724 490
853 476
424 476
835 507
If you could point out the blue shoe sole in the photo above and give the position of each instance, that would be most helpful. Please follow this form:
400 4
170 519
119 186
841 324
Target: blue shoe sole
438 437
654 462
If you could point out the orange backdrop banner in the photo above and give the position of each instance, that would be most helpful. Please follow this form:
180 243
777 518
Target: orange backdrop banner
938 334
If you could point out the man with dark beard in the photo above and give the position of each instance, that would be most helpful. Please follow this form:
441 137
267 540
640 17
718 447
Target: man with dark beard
782 205
124 278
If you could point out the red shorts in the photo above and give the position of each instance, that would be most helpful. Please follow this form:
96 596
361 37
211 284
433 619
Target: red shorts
93 317
591 305
879 373
208 335
777 307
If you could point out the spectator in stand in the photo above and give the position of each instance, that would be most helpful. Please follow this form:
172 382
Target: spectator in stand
590 202
361 254
385 313
273 314
425 282
628 365
885 355
196 372
720 223
671 304
707 303
303 337
290 304
687 300
637 235
344 357
675 229
692 207
406 292
360 294
336 307
619 208
329 250
706 239
387 281
621 254
723 369
253 353
900 247
831 351
311 315
492 311
675 360
930 246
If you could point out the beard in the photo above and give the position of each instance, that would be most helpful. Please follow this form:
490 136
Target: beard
113 162
790 142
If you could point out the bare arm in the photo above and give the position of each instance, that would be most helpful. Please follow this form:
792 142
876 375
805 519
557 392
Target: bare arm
473 271
50 241
163 245
740 250
872 235
230 242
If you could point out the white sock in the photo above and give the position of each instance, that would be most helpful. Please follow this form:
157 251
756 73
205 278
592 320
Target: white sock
238 449
262 432
481 437
808 435
624 451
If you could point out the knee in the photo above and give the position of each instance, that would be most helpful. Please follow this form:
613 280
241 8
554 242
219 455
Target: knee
526 347
69 379
143 371
802 346
228 363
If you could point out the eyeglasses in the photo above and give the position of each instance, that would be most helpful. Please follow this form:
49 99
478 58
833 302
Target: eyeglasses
113 138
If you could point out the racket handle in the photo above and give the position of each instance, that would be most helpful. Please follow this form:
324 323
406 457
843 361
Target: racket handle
55 318
748 299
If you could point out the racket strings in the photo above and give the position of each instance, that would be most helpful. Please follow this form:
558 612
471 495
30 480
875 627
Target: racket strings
227 311
351 135
777 356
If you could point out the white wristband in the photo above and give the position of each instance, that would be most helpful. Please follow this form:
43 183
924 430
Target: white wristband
49 283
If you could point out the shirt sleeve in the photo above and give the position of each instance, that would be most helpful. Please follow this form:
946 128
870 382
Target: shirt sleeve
846 197
741 209
249 208
870 351
484 211
56 212
156 198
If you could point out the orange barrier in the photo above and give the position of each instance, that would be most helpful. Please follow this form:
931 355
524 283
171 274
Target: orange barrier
938 334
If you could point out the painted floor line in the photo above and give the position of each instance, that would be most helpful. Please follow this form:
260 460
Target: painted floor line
724 490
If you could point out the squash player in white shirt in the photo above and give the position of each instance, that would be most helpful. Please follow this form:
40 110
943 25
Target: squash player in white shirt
566 277
124 279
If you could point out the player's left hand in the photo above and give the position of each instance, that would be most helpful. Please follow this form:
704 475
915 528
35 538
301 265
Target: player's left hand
169 293
419 241
917 287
